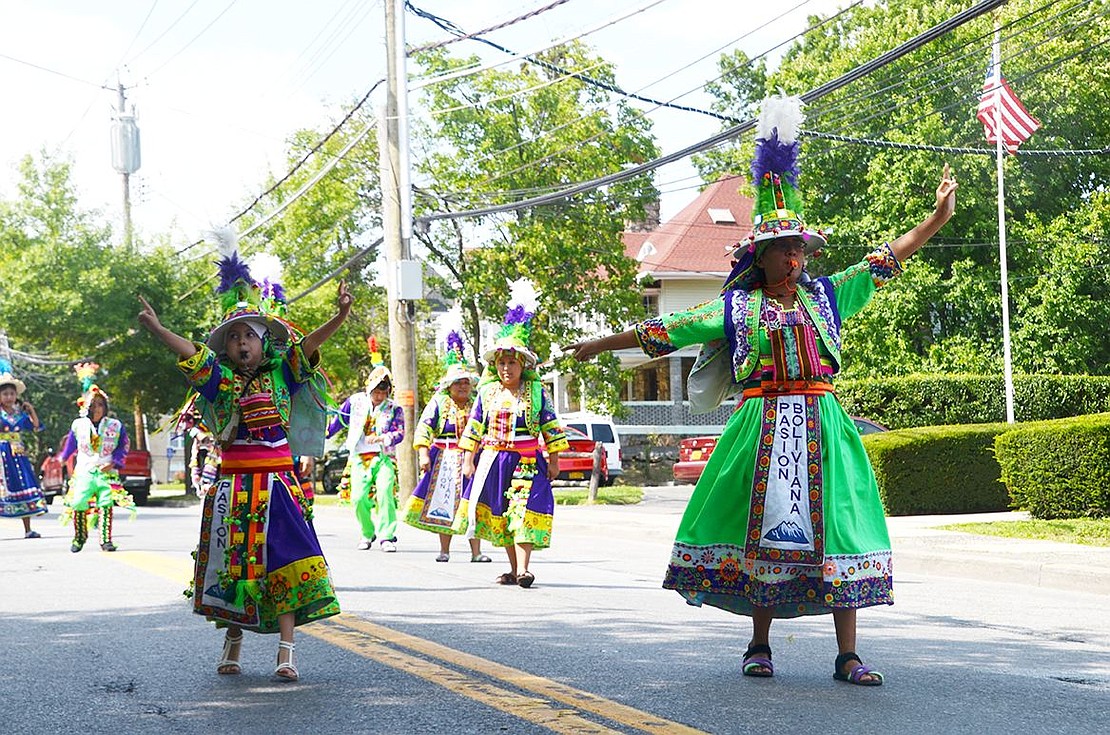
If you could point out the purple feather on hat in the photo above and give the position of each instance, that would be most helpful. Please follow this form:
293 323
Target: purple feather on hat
232 269
777 157
517 315
454 342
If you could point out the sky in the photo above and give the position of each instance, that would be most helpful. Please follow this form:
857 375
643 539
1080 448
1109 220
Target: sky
219 85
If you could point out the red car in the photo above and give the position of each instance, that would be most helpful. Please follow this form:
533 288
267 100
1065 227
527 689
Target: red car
577 462
694 452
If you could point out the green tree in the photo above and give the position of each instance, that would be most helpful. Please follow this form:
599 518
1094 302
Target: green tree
70 293
324 228
1060 300
505 134
945 313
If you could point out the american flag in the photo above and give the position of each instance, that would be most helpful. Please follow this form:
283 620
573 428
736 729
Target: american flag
1017 123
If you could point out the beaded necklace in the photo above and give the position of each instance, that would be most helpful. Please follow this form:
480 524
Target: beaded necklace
462 416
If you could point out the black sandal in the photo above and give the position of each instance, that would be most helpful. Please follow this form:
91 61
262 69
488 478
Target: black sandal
526 579
753 662
506 578
855 676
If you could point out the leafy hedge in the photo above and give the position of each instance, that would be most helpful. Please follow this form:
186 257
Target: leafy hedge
936 400
1058 469
938 469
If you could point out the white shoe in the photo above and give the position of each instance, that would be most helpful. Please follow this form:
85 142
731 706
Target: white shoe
364 545
389 547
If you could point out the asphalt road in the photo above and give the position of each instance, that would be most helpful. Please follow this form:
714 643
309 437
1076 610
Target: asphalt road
105 643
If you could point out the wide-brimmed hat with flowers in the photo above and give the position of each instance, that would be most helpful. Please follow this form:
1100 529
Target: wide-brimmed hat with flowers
378 370
86 373
778 209
454 363
515 335
7 378
240 297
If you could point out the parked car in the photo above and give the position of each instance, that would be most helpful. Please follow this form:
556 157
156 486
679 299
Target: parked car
53 476
577 462
601 429
329 469
867 426
694 452
136 476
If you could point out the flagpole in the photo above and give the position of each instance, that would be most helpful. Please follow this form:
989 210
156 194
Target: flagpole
1008 370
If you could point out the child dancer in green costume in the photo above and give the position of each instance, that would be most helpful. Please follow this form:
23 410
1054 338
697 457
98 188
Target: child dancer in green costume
100 443
375 425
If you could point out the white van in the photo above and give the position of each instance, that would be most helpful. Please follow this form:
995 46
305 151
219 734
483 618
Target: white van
600 429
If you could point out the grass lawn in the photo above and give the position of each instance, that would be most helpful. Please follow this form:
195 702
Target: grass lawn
613 495
1089 531
171 495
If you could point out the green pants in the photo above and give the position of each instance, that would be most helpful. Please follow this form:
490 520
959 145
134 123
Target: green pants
95 485
373 493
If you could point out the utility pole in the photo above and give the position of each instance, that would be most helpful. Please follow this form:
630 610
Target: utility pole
126 159
126 156
126 183
397 223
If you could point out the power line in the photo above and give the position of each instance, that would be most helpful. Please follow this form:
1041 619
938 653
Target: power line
968 99
422 82
320 144
953 82
335 43
191 41
138 33
350 262
644 113
55 72
163 33
296 167
932 70
516 93
350 7
844 79
40 359
465 36
311 182
448 25
950 149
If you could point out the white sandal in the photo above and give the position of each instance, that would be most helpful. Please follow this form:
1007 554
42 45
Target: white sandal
226 664
286 670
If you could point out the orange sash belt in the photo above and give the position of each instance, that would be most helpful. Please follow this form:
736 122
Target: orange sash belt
522 447
769 389
445 444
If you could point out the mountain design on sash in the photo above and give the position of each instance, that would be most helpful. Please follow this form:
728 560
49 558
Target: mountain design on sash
787 531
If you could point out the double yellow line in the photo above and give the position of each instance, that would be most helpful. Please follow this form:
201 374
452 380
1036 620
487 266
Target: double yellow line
425 659
535 699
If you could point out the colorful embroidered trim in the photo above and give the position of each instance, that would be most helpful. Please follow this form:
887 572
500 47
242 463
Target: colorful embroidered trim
754 550
884 265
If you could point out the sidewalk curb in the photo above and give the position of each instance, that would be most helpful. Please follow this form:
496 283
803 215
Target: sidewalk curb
921 547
